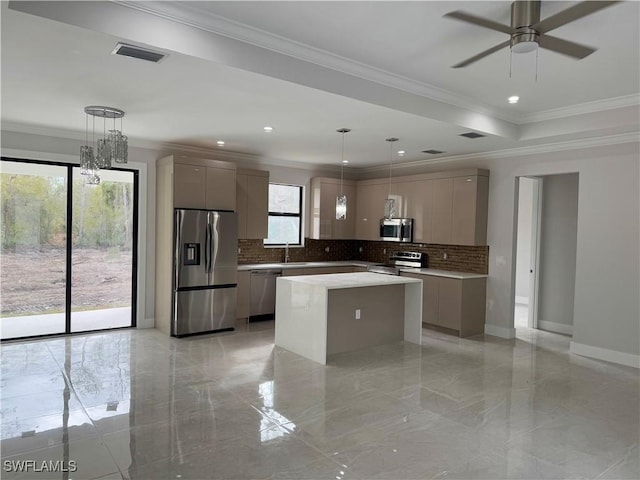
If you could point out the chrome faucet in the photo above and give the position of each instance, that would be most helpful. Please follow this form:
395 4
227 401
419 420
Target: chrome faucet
286 253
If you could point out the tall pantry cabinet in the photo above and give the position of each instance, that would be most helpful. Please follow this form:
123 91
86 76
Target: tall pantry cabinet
184 182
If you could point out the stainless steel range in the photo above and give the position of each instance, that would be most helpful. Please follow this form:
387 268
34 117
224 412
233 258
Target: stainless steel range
398 260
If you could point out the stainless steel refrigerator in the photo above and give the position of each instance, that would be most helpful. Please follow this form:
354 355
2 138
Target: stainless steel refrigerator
205 271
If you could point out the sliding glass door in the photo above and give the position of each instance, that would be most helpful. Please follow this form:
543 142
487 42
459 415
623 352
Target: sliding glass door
34 254
68 250
102 251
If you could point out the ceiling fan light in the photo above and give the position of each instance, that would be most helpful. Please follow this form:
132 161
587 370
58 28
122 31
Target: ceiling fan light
524 47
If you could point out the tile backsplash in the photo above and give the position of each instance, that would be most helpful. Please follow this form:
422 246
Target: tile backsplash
459 258
472 259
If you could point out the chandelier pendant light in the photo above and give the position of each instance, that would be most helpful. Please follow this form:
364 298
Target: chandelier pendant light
390 203
108 149
341 199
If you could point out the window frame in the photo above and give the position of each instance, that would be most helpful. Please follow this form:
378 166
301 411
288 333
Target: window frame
280 214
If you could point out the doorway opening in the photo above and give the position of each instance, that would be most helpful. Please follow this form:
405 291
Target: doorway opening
69 250
546 243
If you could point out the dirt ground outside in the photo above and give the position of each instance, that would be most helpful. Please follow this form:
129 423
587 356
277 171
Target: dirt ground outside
33 280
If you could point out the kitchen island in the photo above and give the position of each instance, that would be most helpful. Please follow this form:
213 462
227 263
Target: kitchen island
321 315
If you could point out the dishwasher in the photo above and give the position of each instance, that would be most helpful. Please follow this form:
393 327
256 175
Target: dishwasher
262 294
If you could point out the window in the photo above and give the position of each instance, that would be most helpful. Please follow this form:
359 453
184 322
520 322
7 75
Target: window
285 215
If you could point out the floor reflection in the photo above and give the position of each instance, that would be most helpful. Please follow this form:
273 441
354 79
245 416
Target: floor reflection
137 404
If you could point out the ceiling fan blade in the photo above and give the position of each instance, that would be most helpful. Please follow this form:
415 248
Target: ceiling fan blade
482 22
579 10
477 57
565 47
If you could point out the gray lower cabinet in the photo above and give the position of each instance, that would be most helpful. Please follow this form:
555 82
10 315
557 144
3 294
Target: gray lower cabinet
244 283
453 304
244 294
290 272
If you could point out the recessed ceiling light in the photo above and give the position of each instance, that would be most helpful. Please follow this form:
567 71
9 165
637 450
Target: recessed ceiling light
268 129
345 161
513 99
401 153
220 143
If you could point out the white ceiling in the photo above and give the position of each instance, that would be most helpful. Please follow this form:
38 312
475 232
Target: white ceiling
308 68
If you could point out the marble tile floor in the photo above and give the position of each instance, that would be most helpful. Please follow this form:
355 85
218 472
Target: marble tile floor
136 404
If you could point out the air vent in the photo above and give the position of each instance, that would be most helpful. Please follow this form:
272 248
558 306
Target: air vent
472 135
138 52
432 152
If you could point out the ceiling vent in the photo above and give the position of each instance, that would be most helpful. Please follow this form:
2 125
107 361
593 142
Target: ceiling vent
138 52
432 152
472 135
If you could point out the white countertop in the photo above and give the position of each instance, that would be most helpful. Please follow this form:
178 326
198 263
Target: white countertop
349 280
358 263
263 266
443 273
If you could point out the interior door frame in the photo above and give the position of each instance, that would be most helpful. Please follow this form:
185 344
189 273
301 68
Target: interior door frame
534 258
69 246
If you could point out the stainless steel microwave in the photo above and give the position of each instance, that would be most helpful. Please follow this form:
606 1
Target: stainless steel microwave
396 230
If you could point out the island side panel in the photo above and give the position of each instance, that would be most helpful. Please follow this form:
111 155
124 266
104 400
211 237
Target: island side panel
413 312
301 319
382 317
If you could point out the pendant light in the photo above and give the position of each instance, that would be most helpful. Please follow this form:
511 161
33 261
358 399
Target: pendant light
341 199
111 148
390 203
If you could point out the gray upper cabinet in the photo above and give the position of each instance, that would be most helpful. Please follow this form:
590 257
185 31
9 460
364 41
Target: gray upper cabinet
448 208
416 207
190 186
470 205
370 209
205 184
324 224
252 203
442 207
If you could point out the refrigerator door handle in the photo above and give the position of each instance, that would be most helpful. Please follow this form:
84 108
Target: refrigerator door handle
207 247
214 236
177 246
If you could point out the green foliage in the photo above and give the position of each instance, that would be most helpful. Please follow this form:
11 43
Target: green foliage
33 210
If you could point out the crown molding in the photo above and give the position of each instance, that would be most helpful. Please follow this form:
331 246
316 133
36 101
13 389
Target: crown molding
191 15
582 108
632 137
252 160
168 148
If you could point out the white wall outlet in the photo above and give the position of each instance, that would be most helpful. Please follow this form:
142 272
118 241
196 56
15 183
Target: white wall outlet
326 249
360 249
384 251
445 255
357 314
239 249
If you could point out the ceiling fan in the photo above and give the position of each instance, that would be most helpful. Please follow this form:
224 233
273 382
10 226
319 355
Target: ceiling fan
527 31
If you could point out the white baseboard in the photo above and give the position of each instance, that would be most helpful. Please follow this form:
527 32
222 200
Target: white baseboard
599 353
502 332
555 327
522 300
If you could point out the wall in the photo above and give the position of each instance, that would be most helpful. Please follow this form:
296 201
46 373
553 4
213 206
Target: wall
558 232
606 306
523 249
